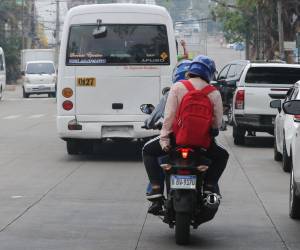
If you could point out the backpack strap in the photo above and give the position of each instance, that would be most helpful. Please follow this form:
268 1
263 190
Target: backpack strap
208 89
188 85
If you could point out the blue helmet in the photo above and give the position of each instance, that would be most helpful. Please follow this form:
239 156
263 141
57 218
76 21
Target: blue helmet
180 70
203 67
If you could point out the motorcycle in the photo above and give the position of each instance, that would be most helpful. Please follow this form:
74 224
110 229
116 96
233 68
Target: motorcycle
186 203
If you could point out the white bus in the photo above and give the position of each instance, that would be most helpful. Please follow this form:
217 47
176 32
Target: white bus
113 58
2 73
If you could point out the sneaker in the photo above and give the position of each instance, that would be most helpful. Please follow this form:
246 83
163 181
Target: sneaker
156 207
154 194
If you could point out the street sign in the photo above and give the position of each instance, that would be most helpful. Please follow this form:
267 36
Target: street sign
289 45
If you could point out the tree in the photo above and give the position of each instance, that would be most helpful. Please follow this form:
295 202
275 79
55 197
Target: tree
10 36
256 22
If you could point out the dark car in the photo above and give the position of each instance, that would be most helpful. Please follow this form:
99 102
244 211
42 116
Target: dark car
226 83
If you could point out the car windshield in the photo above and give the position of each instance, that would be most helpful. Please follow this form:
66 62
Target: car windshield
121 44
273 75
40 68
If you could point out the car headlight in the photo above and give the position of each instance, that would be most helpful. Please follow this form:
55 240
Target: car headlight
26 80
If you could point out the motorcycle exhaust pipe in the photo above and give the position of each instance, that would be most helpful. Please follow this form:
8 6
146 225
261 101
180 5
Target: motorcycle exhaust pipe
212 200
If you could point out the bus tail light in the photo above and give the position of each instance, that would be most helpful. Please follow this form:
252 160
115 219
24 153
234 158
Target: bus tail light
240 99
67 105
67 92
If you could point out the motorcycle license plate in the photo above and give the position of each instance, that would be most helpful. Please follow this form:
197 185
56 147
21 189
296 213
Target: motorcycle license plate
183 181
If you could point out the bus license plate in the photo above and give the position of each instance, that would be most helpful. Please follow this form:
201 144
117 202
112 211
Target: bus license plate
183 181
86 81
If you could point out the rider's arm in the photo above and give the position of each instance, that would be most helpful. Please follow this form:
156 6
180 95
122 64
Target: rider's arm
157 113
169 116
216 99
185 51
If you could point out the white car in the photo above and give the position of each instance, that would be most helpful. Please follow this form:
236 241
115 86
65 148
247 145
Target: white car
284 129
292 107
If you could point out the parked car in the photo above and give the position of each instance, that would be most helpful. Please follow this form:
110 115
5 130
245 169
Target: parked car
259 84
292 108
226 82
285 127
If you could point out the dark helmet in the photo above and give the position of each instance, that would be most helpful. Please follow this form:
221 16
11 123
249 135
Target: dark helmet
203 67
180 70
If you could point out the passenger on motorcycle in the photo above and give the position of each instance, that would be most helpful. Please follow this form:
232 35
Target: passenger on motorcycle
200 73
155 120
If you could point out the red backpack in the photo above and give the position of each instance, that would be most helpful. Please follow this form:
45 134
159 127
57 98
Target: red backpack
194 117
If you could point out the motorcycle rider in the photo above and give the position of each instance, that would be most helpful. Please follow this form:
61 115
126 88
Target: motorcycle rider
200 73
155 120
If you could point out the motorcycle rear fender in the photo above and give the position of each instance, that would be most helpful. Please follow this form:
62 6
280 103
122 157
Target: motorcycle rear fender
184 201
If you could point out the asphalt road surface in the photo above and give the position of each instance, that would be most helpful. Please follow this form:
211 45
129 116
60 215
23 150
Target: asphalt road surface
52 201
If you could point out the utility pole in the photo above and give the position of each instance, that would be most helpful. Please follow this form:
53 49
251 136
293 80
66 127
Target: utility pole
280 29
57 32
23 26
258 33
33 24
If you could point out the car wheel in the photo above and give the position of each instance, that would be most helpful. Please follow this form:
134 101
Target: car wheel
277 155
25 95
229 115
1 93
73 147
238 135
294 206
286 160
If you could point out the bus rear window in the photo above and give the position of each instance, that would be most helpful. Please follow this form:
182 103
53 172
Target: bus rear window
121 44
273 75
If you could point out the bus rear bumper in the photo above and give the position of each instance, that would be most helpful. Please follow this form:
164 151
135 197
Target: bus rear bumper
102 130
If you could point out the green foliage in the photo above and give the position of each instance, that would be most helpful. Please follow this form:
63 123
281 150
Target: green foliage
11 41
12 47
237 19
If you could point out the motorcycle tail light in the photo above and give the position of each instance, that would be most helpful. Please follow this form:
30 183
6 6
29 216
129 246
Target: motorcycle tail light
185 152
183 172
296 118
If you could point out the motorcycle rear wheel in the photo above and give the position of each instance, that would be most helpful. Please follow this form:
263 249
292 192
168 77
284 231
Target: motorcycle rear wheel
182 228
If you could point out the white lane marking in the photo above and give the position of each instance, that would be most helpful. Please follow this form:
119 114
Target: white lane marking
10 117
36 116
16 196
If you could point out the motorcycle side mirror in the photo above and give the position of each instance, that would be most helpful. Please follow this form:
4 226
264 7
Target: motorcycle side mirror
165 90
147 108
276 104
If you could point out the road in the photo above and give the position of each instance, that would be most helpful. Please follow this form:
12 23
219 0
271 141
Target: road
50 200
